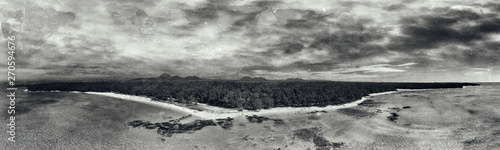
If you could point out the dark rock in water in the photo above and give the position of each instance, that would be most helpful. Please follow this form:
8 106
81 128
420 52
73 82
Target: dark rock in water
314 135
306 134
256 119
406 107
260 119
370 103
337 144
183 117
356 113
314 112
226 123
393 117
246 138
173 126
320 141
278 122
313 117
473 141
150 126
395 108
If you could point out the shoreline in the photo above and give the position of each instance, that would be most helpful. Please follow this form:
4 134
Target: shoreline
213 112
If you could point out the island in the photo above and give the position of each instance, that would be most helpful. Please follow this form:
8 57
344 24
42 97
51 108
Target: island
247 93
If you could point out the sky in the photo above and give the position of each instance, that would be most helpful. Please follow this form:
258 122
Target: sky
376 40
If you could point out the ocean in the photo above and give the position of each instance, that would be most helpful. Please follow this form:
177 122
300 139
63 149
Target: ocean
466 118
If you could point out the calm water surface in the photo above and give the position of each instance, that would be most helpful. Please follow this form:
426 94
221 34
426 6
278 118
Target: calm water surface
67 120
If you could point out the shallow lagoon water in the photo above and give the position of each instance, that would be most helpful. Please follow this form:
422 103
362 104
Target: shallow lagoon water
465 118
47 120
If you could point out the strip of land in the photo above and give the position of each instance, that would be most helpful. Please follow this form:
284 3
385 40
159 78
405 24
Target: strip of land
247 95
213 112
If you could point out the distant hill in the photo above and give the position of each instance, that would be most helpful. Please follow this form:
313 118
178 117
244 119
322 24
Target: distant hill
253 79
295 79
167 77
193 78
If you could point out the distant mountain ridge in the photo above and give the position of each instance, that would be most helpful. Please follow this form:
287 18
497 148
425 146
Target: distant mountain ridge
295 79
168 77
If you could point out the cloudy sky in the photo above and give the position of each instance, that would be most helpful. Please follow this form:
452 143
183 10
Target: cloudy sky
377 40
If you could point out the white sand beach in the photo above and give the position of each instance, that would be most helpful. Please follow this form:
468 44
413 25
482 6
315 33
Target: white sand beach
213 112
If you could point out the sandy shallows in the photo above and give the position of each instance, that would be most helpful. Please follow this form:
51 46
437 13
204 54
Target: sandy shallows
436 119
82 121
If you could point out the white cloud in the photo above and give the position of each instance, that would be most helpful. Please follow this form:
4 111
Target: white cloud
407 64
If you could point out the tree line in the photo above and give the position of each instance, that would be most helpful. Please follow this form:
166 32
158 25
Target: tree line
243 94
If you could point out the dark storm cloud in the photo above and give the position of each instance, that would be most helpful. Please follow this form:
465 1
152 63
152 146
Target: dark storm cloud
395 7
246 21
65 17
459 36
211 10
309 22
299 23
310 32
207 12
452 26
479 55
494 6
248 14
349 46
351 4
283 48
123 14
266 4
489 26
148 3
308 19
493 46
141 13
290 48
202 15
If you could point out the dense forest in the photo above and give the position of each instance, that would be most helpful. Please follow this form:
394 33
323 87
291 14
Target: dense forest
244 94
